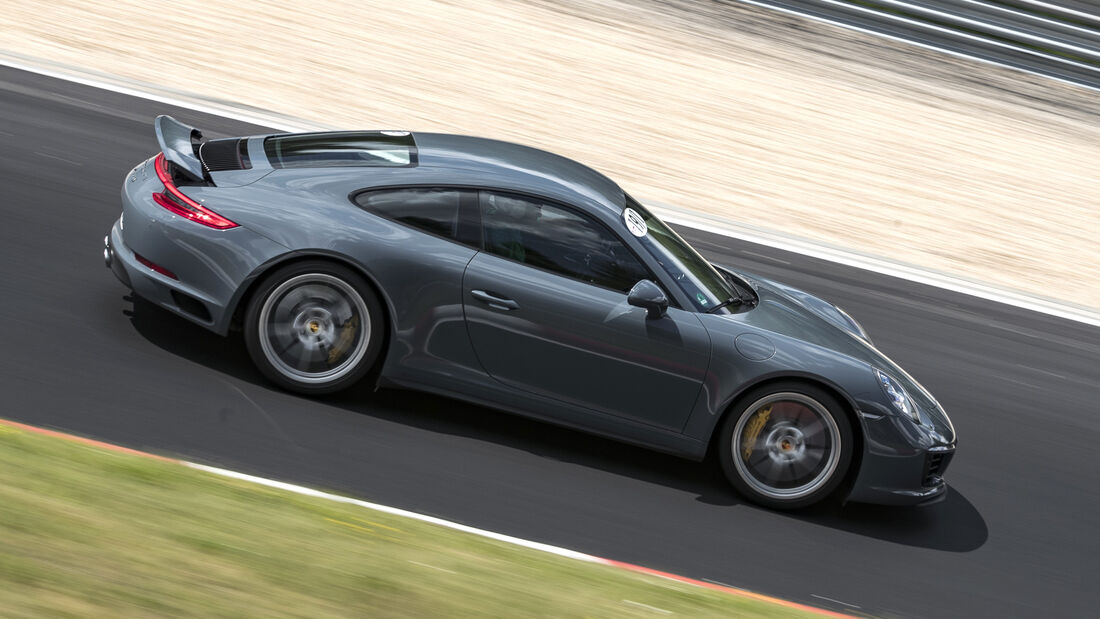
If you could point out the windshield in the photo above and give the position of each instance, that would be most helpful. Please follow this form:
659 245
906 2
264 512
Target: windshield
693 274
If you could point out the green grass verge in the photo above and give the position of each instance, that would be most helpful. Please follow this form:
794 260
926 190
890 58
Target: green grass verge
86 531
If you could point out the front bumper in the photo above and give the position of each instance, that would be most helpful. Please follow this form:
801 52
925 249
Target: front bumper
903 464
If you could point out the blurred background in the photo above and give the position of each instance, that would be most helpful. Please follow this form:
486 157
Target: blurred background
724 108
964 141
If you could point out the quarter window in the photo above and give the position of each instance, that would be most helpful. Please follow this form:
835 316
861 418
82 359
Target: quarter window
549 237
430 210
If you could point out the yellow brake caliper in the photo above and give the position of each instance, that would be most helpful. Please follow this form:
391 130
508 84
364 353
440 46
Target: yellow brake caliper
349 329
752 430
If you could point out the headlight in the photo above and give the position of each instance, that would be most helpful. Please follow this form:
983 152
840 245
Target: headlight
897 395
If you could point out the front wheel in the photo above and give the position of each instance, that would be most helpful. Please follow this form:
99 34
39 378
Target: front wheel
314 327
786 445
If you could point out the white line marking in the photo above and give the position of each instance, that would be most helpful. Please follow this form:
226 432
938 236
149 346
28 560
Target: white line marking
822 597
1053 23
508 539
980 25
166 96
670 214
1028 367
1056 8
434 567
1015 381
647 607
6 425
949 52
752 253
49 156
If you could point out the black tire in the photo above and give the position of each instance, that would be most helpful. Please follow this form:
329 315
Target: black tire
314 327
786 445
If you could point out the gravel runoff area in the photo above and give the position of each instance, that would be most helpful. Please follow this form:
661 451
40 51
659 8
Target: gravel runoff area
720 107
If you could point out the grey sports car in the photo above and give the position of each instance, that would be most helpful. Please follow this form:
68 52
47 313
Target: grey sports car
525 281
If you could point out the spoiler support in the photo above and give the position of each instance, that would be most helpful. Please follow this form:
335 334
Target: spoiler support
179 143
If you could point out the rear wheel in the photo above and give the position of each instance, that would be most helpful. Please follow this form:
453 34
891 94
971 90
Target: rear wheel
314 327
786 445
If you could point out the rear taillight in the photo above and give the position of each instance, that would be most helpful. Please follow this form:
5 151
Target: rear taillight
174 200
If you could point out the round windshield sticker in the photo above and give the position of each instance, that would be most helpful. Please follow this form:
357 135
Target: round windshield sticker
634 222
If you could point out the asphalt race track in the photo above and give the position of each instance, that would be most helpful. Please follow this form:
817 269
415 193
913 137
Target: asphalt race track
1019 534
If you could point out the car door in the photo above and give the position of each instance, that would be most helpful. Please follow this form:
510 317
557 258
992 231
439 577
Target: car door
546 310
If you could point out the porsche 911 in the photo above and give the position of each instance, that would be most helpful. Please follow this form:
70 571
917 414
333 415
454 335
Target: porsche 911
524 281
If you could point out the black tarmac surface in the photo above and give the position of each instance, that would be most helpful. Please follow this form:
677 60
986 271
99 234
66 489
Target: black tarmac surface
1019 534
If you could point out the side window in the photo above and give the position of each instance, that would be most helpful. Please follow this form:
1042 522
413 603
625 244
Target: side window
431 210
550 237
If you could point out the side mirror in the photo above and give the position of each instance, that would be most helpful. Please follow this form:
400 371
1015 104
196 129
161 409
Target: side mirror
648 295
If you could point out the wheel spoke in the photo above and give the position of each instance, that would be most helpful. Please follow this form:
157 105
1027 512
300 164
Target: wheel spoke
283 331
803 467
293 299
814 428
791 470
290 344
342 310
773 470
304 355
815 452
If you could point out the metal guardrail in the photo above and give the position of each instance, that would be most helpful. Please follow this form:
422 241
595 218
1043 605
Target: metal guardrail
1059 38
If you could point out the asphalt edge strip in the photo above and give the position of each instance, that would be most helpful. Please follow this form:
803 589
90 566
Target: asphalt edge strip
500 537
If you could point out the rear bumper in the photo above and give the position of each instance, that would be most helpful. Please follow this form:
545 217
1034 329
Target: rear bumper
208 267
113 262
157 288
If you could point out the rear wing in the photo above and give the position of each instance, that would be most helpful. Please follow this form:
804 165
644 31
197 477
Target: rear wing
180 145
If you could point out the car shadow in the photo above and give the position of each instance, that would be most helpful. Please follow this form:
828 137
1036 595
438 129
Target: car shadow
953 525
192 342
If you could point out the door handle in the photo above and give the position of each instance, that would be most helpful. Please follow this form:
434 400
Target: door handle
494 301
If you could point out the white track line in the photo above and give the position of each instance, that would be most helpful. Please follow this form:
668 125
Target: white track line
1052 23
1054 8
942 50
156 93
975 24
508 539
672 214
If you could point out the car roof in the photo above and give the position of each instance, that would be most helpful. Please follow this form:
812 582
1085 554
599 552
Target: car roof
446 159
514 166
